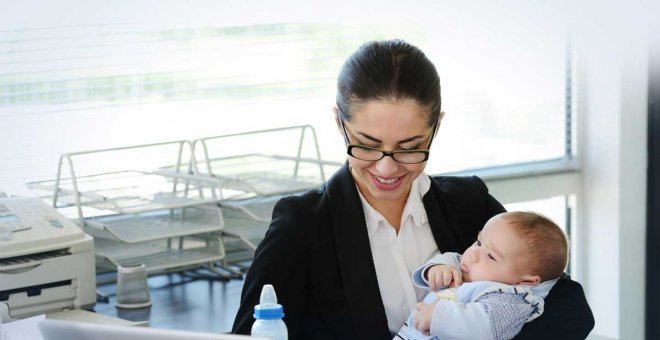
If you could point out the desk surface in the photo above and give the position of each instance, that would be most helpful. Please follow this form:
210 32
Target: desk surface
178 302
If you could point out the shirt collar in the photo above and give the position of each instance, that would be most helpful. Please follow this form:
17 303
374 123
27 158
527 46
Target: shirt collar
414 205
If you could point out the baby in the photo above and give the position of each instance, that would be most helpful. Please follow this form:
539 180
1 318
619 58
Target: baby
497 285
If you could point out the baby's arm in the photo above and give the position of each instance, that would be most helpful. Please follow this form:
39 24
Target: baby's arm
447 319
494 316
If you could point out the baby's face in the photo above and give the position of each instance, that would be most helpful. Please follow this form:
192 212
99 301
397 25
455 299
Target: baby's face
497 255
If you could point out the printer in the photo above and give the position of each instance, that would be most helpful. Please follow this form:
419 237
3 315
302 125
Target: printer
46 261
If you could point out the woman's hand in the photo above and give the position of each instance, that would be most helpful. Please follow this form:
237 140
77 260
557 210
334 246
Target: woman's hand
443 275
424 316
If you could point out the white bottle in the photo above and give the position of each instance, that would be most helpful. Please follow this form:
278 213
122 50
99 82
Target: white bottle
268 315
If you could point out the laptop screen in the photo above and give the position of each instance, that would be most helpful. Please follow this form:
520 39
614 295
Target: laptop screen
65 330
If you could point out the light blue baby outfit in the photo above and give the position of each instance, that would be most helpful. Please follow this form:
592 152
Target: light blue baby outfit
482 310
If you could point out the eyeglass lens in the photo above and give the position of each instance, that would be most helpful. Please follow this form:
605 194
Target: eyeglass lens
368 154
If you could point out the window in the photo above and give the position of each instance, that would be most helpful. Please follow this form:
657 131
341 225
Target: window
102 80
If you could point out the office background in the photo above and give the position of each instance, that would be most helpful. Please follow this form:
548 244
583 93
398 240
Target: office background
561 87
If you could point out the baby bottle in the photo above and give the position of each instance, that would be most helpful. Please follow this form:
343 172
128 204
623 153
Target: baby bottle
268 314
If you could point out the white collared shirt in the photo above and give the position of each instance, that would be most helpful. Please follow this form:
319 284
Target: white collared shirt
397 256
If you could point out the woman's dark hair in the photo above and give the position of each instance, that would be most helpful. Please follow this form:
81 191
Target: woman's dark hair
388 70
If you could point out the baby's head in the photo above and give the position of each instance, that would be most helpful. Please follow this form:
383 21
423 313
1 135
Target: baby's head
516 248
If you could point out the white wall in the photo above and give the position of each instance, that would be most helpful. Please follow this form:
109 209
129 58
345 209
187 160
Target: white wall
613 108
610 40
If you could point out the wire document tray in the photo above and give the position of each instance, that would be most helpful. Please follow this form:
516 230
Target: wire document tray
135 214
266 175
254 170
156 255
130 191
183 203
263 163
258 208
156 225
247 221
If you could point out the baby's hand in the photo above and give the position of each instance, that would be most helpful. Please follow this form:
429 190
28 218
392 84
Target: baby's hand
424 316
443 275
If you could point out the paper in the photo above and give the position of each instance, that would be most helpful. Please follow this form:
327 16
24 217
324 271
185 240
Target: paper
25 329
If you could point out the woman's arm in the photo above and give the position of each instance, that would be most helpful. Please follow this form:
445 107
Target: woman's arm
566 314
279 260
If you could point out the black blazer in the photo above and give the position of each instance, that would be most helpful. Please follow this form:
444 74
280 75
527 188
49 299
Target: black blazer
316 254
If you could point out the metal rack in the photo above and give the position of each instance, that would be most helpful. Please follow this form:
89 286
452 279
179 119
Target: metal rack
214 195
248 219
278 161
254 170
135 215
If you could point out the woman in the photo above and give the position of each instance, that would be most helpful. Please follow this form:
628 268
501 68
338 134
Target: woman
340 257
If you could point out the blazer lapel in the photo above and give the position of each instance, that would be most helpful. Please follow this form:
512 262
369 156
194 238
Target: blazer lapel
355 260
444 225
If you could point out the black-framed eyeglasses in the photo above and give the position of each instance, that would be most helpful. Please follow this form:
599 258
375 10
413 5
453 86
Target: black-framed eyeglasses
367 153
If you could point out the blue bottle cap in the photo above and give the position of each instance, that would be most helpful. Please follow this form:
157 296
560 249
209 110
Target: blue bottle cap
268 312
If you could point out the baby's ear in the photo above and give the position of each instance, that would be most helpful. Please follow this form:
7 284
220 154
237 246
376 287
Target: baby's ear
530 280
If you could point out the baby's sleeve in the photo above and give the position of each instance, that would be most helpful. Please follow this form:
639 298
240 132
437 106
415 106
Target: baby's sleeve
457 320
497 316
507 313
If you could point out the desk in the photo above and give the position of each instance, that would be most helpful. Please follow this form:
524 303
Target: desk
179 303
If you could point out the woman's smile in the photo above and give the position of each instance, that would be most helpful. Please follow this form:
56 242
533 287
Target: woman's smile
387 183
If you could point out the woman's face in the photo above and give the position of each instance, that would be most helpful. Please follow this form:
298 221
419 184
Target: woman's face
387 125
